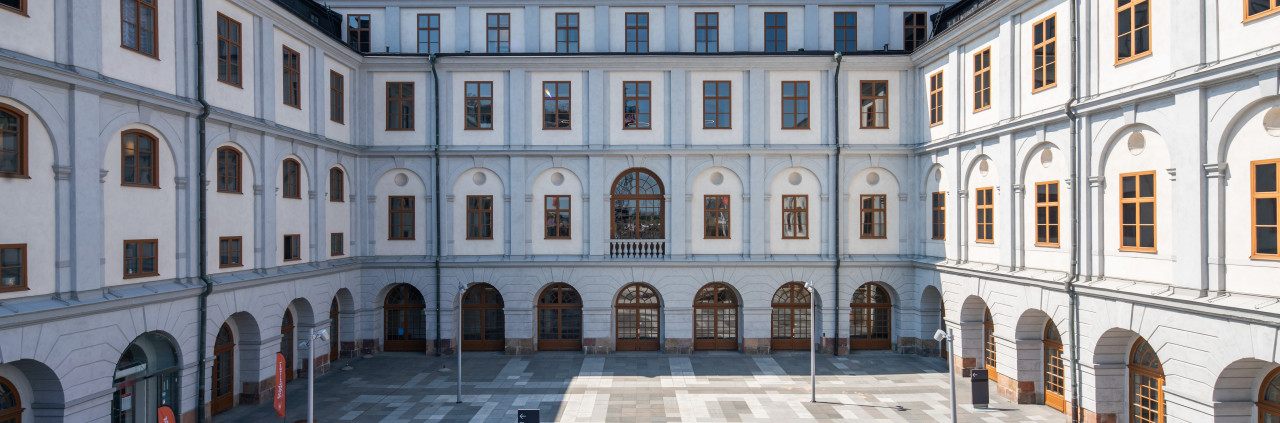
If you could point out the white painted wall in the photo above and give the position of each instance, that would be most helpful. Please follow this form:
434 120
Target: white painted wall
876 180
1051 97
795 181
400 182
333 130
29 220
938 179
1111 76
851 102
706 184
337 215
127 65
479 28
866 26
470 184
1242 37
381 136
1002 217
999 82
22 386
32 34
546 184
289 116
795 26
409 29
220 94
896 20
656 135
949 87
1252 142
378 42
293 215
1042 164
230 214
455 106
817 100
1125 157
136 213
586 28
576 134
738 113
657 28
687 24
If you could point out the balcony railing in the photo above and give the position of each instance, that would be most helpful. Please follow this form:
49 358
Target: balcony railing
637 248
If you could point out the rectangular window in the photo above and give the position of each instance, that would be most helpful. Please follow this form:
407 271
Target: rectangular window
636 112
846 31
498 33
292 247
400 217
939 215
795 217
915 30
982 80
873 107
1266 214
1254 9
556 106
19 6
706 32
874 217
336 244
337 185
228 50
13 142
566 33
358 32
13 267
292 181
775 31
479 217
715 217
230 252
984 215
1138 212
795 104
637 32
1047 214
399 106
140 258
716 106
429 33
935 99
138 159
1133 30
337 96
557 214
1044 53
290 66
478 105
138 21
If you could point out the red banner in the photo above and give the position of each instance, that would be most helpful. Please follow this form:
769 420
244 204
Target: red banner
164 414
280 377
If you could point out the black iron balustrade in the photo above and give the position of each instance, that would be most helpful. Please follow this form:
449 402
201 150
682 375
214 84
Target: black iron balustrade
637 248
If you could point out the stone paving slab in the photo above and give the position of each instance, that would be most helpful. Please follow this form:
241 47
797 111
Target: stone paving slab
630 387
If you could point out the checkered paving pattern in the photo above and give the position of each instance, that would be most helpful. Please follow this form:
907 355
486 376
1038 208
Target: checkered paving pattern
636 387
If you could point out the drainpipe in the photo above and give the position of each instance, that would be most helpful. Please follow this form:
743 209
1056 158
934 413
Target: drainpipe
1073 297
835 183
435 154
202 210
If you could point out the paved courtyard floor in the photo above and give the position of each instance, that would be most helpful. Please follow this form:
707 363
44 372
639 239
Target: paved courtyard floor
636 387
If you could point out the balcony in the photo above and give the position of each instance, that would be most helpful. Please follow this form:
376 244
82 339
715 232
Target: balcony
637 248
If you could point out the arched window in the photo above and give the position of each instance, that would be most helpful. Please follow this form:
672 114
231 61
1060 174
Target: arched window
1269 398
871 318
335 344
404 327
560 319
715 318
13 142
989 345
228 170
637 318
483 324
638 211
10 403
286 343
337 190
292 179
791 328
224 369
138 159
1146 384
1054 392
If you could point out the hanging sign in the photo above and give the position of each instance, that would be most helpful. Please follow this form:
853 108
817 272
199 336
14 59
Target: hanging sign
164 414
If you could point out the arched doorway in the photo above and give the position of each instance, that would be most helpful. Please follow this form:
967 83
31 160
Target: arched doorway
222 389
483 325
1269 398
791 327
403 325
989 345
560 319
870 318
1054 387
10 403
638 323
715 318
1146 384
335 331
146 377
287 343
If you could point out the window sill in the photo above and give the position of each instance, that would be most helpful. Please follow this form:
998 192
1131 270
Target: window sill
399 130
230 266
292 259
1132 59
1265 257
155 56
982 109
873 127
989 241
1044 88
1258 16
240 85
18 288
141 275
125 184
1151 250
1048 245
480 239
400 239
15 176
230 192
477 129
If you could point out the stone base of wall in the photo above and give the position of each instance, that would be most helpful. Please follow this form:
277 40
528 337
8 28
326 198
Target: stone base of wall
443 346
678 346
1091 417
369 346
757 345
266 388
597 345
347 349
1022 392
518 346
249 393
918 346
962 365
830 345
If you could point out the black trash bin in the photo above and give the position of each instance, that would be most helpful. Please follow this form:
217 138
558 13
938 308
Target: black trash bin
978 383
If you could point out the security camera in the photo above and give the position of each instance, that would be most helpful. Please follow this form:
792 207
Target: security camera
940 335
323 334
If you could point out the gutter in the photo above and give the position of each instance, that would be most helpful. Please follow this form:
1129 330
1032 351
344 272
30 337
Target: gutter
435 155
835 183
202 206
1073 297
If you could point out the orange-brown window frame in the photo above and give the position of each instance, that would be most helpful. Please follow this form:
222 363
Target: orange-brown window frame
336 247
21 153
23 284
227 44
935 98
554 225
633 42
778 32
915 30
291 179
984 216
800 224
1271 10
873 105
1267 408
637 93
137 153
1045 204
555 100
1138 200
473 106
402 209
567 44
716 97
138 258
21 9
795 98
982 80
337 97
400 106
703 28
139 6
497 36
1255 198
483 217
871 206
292 242
291 72
360 39
1156 374
228 179
938 216
713 207
1129 7
1044 66
337 185
230 252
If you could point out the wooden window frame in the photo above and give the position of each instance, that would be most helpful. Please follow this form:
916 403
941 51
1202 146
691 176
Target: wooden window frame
337 185
938 227
396 115
796 98
1142 370
155 160
783 28
556 99
839 29
469 111
710 224
573 45
1047 205
21 10
726 96
225 250
365 33
639 99
336 244
23 284
155 247
864 212
154 6
286 246
498 30
231 175
871 318
632 41
337 98
863 98
1132 31
291 74
798 211
409 210
936 92
1254 197
22 172
618 200
226 44
1138 200
1040 49
551 216
1054 372
429 31
911 39
1265 407
990 347
707 30
485 215
978 220
1275 8
296 184
982 80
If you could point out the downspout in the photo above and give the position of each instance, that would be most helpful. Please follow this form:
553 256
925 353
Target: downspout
435 155
1073 297
835 183
202 209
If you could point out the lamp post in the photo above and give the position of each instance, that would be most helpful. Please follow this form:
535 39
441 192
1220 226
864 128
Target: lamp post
947 337
309 343
813 349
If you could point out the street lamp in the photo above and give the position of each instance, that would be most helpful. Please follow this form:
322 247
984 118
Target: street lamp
813 335
945 336
312 336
